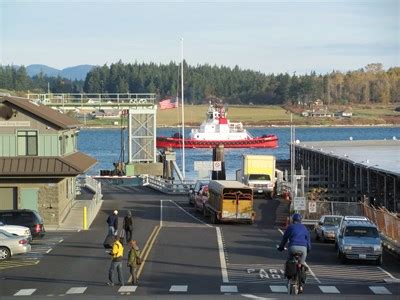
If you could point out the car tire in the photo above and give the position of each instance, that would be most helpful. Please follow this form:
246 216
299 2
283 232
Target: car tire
213 218
379 261
341 256
5 253
204 211
316 236
323 238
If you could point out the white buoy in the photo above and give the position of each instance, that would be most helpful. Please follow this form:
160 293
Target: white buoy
351 138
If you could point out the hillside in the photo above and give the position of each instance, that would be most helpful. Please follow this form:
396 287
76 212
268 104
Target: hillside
77 72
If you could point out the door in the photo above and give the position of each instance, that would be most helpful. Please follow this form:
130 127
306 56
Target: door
244 206
29 199
8 198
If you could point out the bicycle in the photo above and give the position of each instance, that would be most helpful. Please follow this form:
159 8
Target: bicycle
295 273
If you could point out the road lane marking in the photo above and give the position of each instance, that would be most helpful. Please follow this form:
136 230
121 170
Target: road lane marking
278 288
229 289
309 269
25 292
222 259
76 290
329 289
179 288
48 251
161 215
256 297
189 214
386 272
147 252
127 289
380 290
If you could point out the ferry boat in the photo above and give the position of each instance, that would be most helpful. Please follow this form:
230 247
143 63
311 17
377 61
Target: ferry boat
216 130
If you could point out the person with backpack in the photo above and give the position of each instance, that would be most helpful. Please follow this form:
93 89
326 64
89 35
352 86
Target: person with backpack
117 255
112 222
128 226
134 260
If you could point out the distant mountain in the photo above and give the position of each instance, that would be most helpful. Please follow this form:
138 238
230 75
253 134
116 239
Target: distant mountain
72 73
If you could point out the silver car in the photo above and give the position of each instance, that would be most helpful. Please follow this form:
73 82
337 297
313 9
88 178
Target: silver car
327 227
22 231
11 244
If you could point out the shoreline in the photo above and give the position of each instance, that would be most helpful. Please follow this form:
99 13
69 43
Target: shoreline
260 126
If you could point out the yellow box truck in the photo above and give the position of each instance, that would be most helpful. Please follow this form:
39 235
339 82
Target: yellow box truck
229 200
258 172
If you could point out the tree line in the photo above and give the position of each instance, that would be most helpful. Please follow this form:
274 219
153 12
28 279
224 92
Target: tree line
371 84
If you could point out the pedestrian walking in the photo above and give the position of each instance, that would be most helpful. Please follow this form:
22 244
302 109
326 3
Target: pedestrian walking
134 260
117 255
128 226
112 222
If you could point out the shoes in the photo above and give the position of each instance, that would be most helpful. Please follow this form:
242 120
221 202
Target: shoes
300 290
110 283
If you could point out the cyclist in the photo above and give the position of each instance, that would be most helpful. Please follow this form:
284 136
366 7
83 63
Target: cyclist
298 237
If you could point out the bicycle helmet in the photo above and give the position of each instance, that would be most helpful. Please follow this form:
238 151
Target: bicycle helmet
296 217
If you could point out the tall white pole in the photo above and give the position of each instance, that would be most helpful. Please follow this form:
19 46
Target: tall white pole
183 117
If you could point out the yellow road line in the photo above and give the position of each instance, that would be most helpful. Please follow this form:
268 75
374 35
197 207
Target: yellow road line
145 251
144 256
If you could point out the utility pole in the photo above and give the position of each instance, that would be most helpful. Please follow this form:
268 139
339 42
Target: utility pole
183 116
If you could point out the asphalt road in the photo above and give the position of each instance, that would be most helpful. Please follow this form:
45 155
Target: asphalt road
186 257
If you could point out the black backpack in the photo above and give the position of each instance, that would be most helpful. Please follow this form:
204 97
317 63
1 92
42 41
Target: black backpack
290 268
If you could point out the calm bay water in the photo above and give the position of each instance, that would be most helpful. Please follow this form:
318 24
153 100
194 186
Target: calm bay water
105 144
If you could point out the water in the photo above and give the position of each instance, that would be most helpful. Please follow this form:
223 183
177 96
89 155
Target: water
105 144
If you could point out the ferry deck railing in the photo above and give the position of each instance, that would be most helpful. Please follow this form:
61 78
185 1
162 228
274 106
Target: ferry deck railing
168 186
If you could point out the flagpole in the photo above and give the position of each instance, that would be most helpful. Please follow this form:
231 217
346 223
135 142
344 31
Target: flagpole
183 117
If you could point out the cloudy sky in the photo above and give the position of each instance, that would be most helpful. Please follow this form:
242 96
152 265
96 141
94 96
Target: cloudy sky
266 36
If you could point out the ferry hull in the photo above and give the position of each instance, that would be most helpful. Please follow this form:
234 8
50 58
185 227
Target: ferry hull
269 141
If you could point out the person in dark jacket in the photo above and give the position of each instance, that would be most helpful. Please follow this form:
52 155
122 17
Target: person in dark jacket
112 222
298 237
128 226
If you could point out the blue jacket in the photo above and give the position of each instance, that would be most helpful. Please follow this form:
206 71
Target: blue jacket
112 220
298 235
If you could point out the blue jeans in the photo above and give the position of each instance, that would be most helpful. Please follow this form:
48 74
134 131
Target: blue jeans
111 230
294 249
116 265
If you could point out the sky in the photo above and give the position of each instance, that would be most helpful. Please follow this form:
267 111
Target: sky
266 36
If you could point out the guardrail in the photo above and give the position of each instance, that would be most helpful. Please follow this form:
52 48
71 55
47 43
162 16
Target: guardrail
91 206
168 186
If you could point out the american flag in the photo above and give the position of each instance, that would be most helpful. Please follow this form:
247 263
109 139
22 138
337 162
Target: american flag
168 103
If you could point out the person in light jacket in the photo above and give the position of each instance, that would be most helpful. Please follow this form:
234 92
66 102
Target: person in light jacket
134 260
117 255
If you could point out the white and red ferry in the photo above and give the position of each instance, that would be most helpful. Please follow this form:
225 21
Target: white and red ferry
217 129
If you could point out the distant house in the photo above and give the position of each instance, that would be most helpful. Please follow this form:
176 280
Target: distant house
318 102
321 113
39 161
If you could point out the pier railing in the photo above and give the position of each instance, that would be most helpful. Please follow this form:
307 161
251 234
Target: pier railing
168 186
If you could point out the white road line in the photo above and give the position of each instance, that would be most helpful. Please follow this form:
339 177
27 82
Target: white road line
387 273
380 290
189 214
161 216
229 288
222 260
179 288
329 289
127 289
60 241
48 251
280 230
256 297
76 290
278 288
25 292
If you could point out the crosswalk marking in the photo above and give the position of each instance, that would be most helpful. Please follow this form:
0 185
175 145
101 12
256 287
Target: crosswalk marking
380 290
229 289
278 288
326 289
127 289
178 288
25 292
76 290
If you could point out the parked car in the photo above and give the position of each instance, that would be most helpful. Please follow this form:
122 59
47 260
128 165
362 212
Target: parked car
21 231
358 239
201 198
11 245
327 227
194 191
24 217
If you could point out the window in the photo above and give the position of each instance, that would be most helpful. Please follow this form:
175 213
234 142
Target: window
27 143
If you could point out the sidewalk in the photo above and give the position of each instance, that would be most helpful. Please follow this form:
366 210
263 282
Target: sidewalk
74 220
